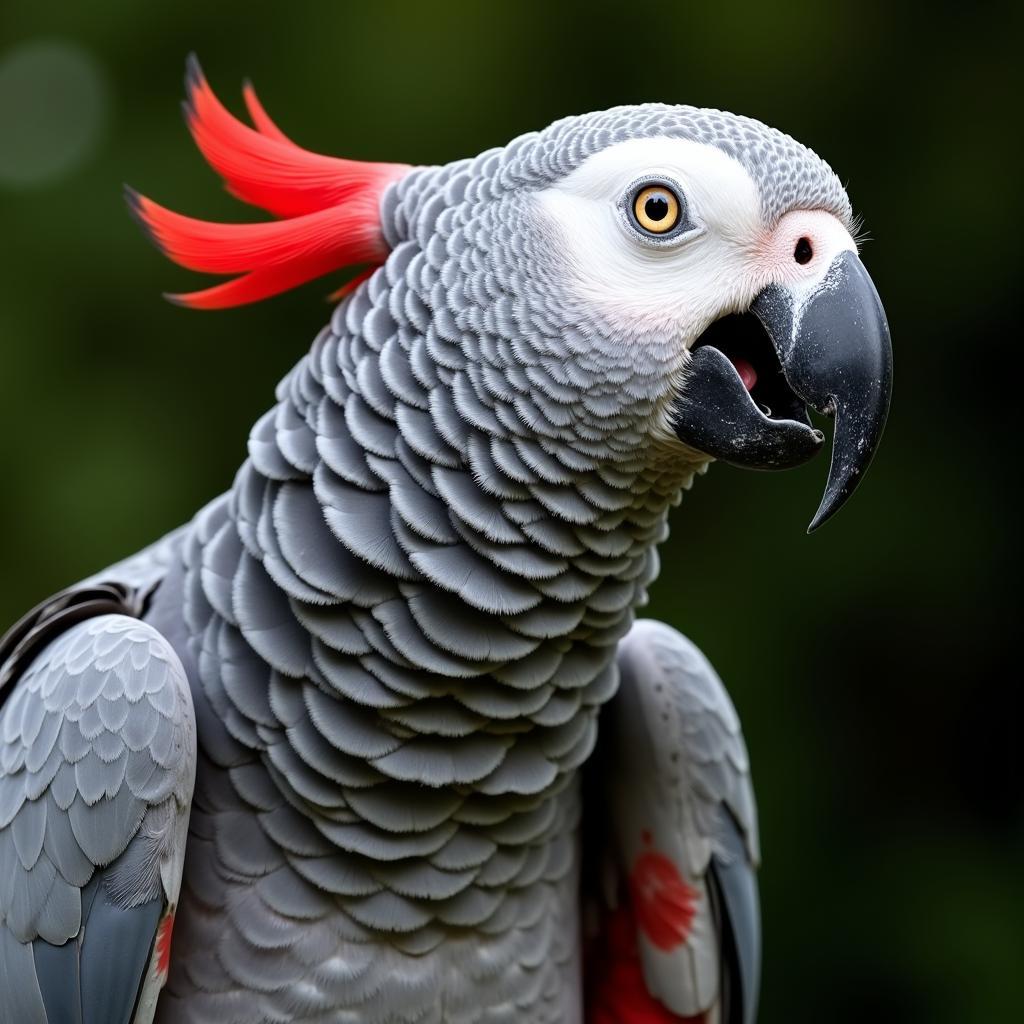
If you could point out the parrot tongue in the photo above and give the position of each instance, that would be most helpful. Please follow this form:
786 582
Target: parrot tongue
745 345
745 369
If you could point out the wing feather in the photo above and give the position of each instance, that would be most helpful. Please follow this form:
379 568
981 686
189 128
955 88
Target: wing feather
97 736
675 777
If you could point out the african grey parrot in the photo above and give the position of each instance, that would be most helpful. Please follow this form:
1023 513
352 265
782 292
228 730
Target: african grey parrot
332 730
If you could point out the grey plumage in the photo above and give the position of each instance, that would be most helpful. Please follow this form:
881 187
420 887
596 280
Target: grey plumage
454 626
399 627
97 757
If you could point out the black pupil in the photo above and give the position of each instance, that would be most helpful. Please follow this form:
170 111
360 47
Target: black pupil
656 208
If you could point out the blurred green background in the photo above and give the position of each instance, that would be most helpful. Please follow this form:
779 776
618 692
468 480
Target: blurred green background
869 662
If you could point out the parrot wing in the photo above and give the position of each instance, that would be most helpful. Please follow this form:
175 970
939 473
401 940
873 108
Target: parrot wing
679 933
97 765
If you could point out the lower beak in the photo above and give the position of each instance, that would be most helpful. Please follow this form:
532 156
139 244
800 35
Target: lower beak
833 352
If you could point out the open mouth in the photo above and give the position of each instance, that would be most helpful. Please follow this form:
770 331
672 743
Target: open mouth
751 378
743 340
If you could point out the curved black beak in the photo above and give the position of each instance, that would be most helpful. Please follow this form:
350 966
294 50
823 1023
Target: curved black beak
836 355
833 352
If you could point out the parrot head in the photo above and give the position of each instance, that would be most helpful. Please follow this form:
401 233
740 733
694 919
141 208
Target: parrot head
648 282
728 247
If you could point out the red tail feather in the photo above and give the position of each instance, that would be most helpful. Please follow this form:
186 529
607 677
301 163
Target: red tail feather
332 206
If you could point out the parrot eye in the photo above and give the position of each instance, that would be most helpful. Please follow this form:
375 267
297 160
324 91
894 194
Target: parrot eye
656 209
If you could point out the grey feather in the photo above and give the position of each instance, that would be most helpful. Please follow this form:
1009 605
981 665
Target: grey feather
399 626
59 969
110 693
438 762
20 999
266 621
355 518
116 947
463 630
482 586
443 717
736 885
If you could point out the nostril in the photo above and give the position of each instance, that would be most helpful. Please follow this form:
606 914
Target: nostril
804 252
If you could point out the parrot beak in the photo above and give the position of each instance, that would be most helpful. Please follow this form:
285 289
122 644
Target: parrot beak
829 350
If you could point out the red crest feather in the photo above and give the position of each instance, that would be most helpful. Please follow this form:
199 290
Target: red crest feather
330 207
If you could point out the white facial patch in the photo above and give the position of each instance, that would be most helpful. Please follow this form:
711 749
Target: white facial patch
679 285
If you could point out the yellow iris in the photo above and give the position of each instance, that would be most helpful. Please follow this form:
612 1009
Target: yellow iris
656 209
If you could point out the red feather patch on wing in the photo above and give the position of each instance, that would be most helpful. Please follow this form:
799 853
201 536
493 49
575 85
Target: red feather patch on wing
332 206
657 903
617 992
664 904
163 943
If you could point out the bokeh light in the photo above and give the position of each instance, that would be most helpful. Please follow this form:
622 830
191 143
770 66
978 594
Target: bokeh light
53 106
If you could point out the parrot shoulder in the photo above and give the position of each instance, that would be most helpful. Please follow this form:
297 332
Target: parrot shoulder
679 913
97 767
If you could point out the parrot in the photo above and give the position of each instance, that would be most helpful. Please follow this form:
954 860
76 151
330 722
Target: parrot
330 752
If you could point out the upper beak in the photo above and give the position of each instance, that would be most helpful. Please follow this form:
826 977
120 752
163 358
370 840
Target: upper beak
834 353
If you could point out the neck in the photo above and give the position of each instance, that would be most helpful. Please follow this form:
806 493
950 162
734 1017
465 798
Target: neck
402 588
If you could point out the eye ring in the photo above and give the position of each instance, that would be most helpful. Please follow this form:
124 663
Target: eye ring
656 209
658 227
